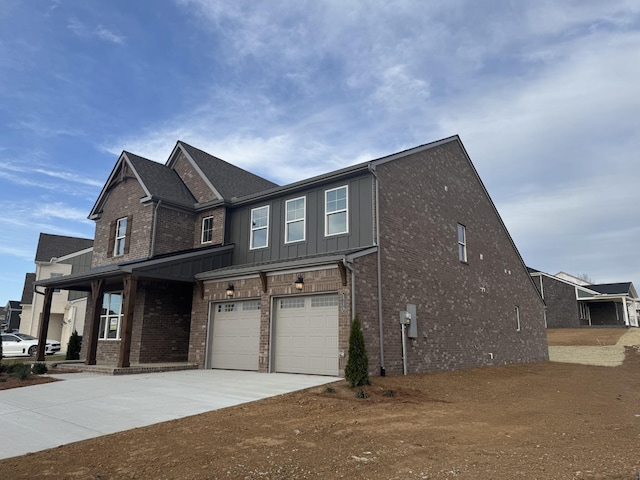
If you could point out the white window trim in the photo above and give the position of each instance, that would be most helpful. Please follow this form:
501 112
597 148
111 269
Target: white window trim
202 240
326 214
103 335
122 238
303 220
251 246
462 243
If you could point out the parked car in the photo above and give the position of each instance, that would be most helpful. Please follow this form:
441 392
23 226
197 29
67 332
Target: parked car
21 344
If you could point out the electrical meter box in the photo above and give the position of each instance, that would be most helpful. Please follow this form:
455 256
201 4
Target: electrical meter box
412 328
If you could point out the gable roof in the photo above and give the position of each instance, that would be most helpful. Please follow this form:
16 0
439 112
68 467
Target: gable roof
226 180
27 290
56 246
158 181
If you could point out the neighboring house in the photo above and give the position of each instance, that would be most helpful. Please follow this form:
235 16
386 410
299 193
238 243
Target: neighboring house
571 305
12 315
57 256
3 316
200 261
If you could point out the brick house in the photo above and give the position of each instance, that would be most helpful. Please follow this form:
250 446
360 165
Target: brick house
56 256
572 302
199 261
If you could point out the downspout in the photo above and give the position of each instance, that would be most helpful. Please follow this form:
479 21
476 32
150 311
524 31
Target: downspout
379 262
347 265
152 248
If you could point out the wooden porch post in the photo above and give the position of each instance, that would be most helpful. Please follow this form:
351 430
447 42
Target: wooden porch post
130 287
44 324
97 287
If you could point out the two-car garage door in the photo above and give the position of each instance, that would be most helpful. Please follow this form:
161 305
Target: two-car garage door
305 335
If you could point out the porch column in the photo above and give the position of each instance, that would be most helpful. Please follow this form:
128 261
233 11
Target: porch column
44 324
130 287
626 311
97 288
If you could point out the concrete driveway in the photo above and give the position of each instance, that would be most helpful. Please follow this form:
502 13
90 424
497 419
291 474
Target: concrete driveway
87 405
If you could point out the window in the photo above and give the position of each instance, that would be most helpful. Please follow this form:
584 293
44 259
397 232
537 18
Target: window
207 230
251 306
336 211
295 220
111 316
286 303
259 227
121 237
462 243
517 313
226 307
325 301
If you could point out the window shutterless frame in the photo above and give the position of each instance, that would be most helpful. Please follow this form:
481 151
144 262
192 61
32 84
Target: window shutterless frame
259 228
207 230
462 243
295 220
336 211
121 237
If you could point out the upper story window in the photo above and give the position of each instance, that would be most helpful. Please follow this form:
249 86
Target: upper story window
295 220
336 211
517 317
462 243
259 227
207 230
121 237
111 316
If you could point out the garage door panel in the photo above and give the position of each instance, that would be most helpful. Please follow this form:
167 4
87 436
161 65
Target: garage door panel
236 336
306 338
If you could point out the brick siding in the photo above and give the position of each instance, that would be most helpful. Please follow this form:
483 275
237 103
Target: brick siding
192 179
465 311
562 306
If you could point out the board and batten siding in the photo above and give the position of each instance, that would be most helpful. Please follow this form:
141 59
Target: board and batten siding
360 196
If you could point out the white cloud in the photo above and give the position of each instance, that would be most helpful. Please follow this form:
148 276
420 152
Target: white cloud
100 32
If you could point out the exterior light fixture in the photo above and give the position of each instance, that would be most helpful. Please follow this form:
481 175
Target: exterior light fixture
230 290
299 283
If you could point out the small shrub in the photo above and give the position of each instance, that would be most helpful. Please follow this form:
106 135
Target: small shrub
362 394
330 390
356 371
388 393
39 368
3 379
3 367
73 347
21 370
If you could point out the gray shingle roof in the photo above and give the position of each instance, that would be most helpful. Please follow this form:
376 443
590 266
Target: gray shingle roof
161 181
230 181
611 288
27 290
50 246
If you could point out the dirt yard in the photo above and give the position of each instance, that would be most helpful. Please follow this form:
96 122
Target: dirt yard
541 421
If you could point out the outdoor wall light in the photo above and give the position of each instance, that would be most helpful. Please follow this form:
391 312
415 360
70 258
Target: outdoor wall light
299 282
230 290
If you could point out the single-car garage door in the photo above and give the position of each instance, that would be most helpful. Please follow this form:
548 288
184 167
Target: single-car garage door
306 335
235 338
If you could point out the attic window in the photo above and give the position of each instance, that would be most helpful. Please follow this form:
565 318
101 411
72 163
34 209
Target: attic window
462 243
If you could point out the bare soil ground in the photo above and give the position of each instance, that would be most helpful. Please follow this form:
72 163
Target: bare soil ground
538 421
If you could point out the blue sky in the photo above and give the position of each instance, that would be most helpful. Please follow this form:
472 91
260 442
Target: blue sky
545 96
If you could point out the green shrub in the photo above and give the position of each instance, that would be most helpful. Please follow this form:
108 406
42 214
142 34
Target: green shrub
3 368
388 393
361 393
330 390
20 370
73 347
357 370
39 368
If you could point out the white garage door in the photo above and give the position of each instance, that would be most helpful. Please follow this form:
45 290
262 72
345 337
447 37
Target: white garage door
235 339
306 335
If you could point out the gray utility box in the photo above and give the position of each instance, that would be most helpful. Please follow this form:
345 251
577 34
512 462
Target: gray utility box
408 318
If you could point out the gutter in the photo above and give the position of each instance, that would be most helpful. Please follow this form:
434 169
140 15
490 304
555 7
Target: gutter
152 248
372 169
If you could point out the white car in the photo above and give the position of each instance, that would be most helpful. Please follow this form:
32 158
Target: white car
21 344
